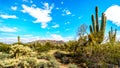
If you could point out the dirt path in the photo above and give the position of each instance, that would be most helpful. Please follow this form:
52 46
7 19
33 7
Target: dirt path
51 52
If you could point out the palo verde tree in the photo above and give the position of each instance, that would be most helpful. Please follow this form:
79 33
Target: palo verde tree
97 31
82 34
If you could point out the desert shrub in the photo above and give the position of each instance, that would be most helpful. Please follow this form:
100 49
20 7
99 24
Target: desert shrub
45 56
65 60
41 65
105 53
43 48
72 66
58 54
50 64
20 50
4 47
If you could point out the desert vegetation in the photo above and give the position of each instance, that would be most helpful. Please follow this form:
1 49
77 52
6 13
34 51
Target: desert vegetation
88 51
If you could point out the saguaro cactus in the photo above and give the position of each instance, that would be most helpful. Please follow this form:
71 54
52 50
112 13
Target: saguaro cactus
97 30
18 39
112 35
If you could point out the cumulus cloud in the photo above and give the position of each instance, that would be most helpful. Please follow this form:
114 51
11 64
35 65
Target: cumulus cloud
113 14
42 15
8 16
14 8
55 26
8 29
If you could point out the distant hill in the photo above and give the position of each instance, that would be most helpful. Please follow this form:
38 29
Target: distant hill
44 41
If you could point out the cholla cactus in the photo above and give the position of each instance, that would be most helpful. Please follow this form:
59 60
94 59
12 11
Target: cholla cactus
96 31
28 62
9 63
112 35
20 50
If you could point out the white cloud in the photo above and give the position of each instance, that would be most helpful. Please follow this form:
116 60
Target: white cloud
67 29
14 8
59 37
8 29
67 23
28 35
118 36
68 38
79 17
42 15
29 38
10 40
113 14
56 37
57 8
33 5
8 16
66 12
62 2
31 1
55 26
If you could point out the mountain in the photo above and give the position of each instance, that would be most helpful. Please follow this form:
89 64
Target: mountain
44 41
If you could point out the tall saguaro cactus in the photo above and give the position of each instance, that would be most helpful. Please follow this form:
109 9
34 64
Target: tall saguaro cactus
97 30
112 35
18 39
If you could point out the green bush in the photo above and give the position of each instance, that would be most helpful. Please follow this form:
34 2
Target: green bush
106 53
4 47
52 64
49 64
42 48
45 56
72 66
65 60
58 54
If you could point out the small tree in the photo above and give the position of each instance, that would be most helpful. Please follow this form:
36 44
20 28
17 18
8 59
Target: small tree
82 33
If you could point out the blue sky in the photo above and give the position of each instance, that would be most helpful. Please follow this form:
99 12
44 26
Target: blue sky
52 19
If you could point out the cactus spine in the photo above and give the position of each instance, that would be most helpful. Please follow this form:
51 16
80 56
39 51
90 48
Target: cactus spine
96 31
112 35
